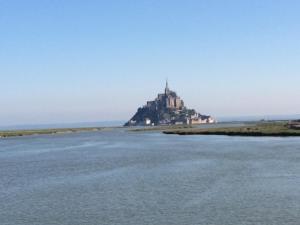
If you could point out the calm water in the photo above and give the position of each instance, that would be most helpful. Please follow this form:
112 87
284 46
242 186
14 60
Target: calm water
117 177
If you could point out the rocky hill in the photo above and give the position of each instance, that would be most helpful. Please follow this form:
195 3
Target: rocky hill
166 109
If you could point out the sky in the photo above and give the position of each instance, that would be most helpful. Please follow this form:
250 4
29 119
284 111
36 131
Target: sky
82 61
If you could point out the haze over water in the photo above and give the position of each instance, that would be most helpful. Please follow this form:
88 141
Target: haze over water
118 177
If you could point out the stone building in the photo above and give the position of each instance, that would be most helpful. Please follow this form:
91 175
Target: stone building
172 101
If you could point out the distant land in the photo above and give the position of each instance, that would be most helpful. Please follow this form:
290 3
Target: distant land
27 132
117 123
167 109
114 123
271 129
257 118
261 128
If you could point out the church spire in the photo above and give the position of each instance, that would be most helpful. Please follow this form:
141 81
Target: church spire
167 90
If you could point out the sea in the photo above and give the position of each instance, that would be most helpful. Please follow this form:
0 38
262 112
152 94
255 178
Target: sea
118 177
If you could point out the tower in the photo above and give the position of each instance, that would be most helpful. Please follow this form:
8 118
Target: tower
167 90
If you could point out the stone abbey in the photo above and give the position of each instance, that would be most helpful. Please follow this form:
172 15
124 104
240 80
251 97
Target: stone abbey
167 109
168 100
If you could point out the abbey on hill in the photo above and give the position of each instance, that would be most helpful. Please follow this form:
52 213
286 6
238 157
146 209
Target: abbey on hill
167 109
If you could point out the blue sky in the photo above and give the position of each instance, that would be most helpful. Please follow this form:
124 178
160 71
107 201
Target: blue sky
74 61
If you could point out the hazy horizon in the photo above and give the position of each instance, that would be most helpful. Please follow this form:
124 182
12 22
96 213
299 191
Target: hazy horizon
72 62
116 123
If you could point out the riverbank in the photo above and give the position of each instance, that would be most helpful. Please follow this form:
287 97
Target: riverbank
18 133
279 129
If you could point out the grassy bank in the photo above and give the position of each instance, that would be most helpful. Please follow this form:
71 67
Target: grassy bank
260 129
15 133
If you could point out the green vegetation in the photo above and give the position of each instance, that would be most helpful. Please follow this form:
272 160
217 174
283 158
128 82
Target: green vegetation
14 133
259 129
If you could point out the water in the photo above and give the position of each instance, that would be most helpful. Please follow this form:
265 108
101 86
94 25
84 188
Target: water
118 177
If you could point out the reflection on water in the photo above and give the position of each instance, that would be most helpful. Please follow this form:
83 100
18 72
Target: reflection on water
119 177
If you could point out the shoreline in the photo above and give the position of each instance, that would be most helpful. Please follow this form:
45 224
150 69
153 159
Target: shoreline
21 133
241 134
262 129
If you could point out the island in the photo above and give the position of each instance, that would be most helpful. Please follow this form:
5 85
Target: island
167 109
